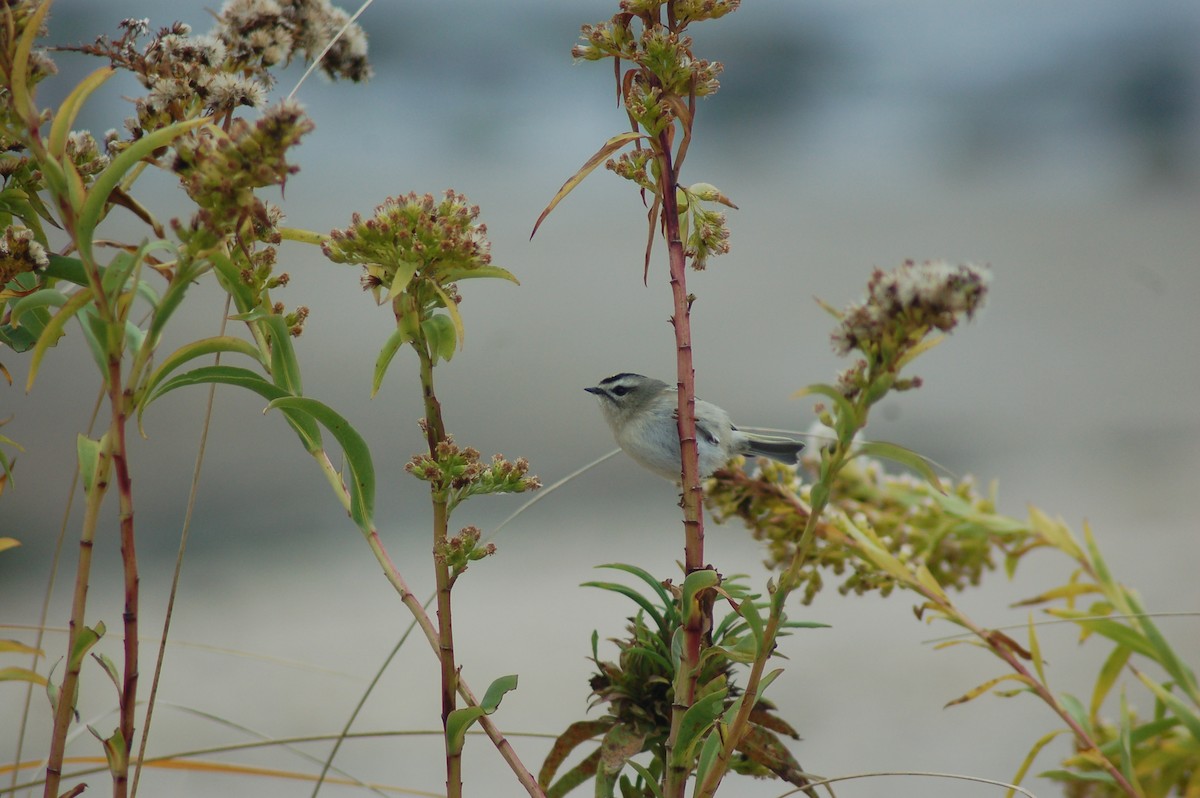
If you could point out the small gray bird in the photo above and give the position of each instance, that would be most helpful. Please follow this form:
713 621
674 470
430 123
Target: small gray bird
643 413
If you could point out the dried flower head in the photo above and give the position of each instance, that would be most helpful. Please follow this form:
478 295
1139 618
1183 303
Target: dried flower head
262 33
20 253
84 153
908 302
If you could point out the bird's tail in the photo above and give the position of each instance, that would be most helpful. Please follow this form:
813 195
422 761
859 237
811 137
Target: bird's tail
781 449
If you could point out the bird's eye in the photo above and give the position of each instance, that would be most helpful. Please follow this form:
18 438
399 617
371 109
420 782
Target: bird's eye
620 390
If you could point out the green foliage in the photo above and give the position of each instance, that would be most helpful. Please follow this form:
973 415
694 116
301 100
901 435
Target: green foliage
958 535
637 692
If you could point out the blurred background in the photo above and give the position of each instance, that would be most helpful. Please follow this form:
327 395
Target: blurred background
1057 142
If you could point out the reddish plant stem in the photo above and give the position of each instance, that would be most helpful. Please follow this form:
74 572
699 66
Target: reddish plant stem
118 402
691 500
435 433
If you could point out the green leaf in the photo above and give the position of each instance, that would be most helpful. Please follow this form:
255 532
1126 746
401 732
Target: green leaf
13 674
47 297
1035 652
697 719
645 576
54 331
846 417
708 755
84 641
355 449
633 595
305 427
230 279
693 583
105 182
750 611
461 719
285 368
64 119
651 782
763 684
1109 672
454 275
1115 631
398 338
1074 708
22 101
903 456
610 146
188 352
452 308
1177 707
89 453
64 268
438 331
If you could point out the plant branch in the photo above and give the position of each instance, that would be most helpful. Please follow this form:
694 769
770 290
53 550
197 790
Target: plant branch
435 433
65 707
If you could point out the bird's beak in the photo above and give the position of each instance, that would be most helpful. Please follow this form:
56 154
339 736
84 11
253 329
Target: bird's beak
596 391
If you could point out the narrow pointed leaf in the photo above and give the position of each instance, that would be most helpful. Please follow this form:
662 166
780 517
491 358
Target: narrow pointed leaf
355 449
650 781
22 102
188 352
1035 652
1178 708
54 331
398 338
846 417
1109 672
67 112
461 719
696 721
610 146
1041 743
903 456
634 596
457 275
302 423
104 183
979 690
14 674
645 576
452 308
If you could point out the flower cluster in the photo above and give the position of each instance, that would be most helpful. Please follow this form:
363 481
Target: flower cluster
908 302
463 549
229 67
220 170
414 235
20 253
84 153
459 473
891 325
262 33
956 536
662 53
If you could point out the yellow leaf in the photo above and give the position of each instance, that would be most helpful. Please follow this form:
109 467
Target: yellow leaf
610 146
